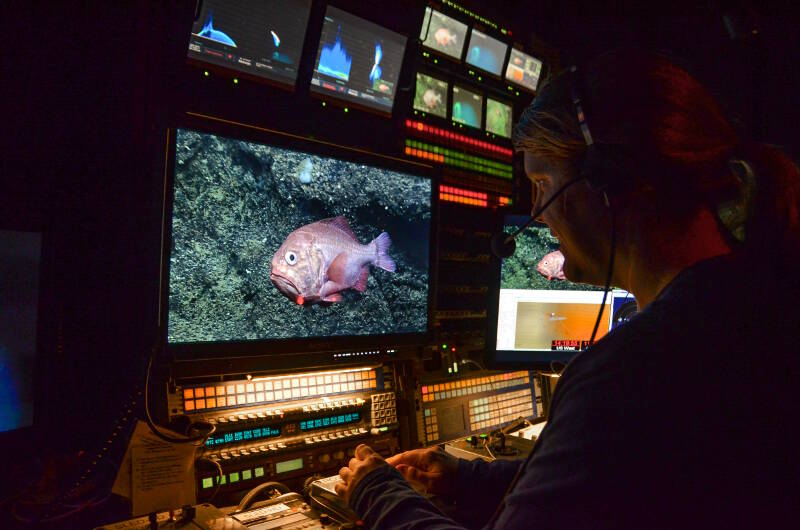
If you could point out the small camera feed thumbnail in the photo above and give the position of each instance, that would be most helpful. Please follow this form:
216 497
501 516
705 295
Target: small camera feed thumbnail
486 53
539 308
275 243
264 39
443 34
431 96
467 107
498 118
523 70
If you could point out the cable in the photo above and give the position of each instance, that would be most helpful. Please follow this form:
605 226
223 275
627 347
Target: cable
219 476
167 438
248 499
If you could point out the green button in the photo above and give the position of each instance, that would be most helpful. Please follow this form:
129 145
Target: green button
208 482
247 474
259 471
223 480
234 477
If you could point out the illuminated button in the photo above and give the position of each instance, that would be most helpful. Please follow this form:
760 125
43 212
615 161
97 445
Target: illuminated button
233 419
279 412
263 448
324 437
261 415
225 455
314 406
309 441
269 413
252 416
243 417
354 430
351 401
360 401
281 445
362 430
272 447
339 435
306 408
222 420
316 439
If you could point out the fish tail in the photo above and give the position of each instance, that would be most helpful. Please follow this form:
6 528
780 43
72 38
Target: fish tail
383 260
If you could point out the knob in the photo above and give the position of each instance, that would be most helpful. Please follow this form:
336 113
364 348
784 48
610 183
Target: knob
324 519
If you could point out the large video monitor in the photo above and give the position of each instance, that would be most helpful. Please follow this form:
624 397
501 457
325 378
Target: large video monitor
523 70
498 118
20 253
537 316
431 95
486 53
358 61
262 39
443 34
467 107
291 247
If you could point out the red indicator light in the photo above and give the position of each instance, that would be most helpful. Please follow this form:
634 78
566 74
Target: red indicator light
300 300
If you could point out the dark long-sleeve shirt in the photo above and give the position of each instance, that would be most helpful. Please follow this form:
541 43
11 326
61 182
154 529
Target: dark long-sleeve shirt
684 417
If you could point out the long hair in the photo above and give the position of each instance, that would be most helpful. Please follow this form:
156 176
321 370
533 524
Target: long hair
679 142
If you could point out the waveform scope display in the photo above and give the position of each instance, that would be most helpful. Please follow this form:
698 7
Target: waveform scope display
467 107
523 70
431 95
358 61
275 243
498 118
263 39
443 34
19 302
486 53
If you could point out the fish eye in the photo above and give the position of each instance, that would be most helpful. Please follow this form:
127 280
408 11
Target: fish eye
291 258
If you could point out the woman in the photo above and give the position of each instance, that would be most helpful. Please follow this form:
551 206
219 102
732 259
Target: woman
684 416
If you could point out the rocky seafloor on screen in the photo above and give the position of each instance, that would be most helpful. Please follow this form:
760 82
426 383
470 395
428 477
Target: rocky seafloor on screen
235 202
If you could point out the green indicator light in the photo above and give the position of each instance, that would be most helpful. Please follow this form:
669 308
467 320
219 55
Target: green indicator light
436 61
259 472
235 81
517 92
450 370
223 480
346 109
480 78
444 346
469 438
484 436
324 104
247 474
205 73
234 477
207 483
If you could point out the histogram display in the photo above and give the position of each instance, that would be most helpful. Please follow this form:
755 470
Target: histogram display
524 70
263 39
358 61
486 53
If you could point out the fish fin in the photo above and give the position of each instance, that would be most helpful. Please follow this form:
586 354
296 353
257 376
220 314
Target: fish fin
330 291
384 261
335 297
361 284
342 224
337 271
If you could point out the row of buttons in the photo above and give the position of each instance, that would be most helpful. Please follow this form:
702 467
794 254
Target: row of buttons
280 446
384 409
279 413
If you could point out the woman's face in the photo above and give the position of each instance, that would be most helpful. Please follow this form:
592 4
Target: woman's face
579 219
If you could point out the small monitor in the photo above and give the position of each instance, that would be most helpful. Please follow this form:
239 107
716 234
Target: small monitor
467 107
486 53
538 315
443 34
523 70
19 301
498 118
262 39
431 95
358 61
272 243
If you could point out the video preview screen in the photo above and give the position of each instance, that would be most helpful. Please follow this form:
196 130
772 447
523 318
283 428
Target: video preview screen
358 61
431 95
443 34
523 70
467 107
498 118
539 309
264 39
19 301
276 243
486 53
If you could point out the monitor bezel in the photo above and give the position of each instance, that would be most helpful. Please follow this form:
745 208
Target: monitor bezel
449 89
229 350
508 104
518 85
355 103
226 71
503 63
467 88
